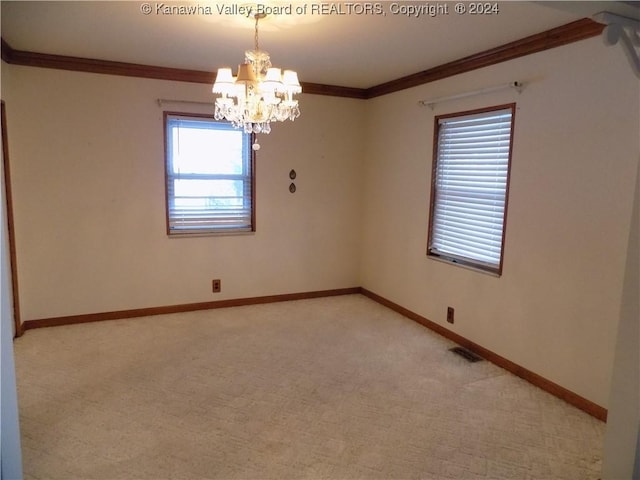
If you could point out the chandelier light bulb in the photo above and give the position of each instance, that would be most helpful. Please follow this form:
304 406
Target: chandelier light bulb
290 80
246 74
225 82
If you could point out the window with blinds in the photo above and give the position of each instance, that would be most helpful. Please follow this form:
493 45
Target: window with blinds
209 176
470 186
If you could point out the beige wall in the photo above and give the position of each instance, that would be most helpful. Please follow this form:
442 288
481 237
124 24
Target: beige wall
86 155
87 171
556 307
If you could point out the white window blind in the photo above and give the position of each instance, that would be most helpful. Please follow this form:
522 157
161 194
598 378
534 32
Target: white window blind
470 188
209 176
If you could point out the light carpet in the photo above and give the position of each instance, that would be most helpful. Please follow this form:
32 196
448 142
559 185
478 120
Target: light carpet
330 388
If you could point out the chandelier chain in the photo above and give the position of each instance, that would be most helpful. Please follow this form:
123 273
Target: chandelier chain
256 34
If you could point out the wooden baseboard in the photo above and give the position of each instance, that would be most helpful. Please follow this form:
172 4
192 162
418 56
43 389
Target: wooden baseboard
188 307
568 396
547 385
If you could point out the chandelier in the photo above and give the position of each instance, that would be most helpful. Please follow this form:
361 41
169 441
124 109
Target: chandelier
258 95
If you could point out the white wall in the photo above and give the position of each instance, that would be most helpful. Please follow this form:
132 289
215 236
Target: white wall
556 307
11 455
88 190
622 438
620 449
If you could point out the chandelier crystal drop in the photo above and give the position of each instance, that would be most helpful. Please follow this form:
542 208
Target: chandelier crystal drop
259 94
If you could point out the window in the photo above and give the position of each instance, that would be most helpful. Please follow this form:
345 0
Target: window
470 186
209 176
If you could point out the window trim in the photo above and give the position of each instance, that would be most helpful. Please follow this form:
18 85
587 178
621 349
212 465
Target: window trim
252 163
453 259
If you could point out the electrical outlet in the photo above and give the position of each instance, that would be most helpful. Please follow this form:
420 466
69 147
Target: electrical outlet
216 285
450 314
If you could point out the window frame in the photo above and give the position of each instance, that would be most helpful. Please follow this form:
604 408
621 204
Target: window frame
211 231
451 258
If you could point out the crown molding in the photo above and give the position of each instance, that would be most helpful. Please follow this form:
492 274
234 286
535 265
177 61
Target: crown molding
91 65
556 37
78 64
565 34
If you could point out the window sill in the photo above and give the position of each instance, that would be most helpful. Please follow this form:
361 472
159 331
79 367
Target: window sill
208 234
457 263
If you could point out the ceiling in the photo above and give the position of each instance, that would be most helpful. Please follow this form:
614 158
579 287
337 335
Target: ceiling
345 48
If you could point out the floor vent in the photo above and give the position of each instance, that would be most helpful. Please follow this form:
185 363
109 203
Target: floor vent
466 354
